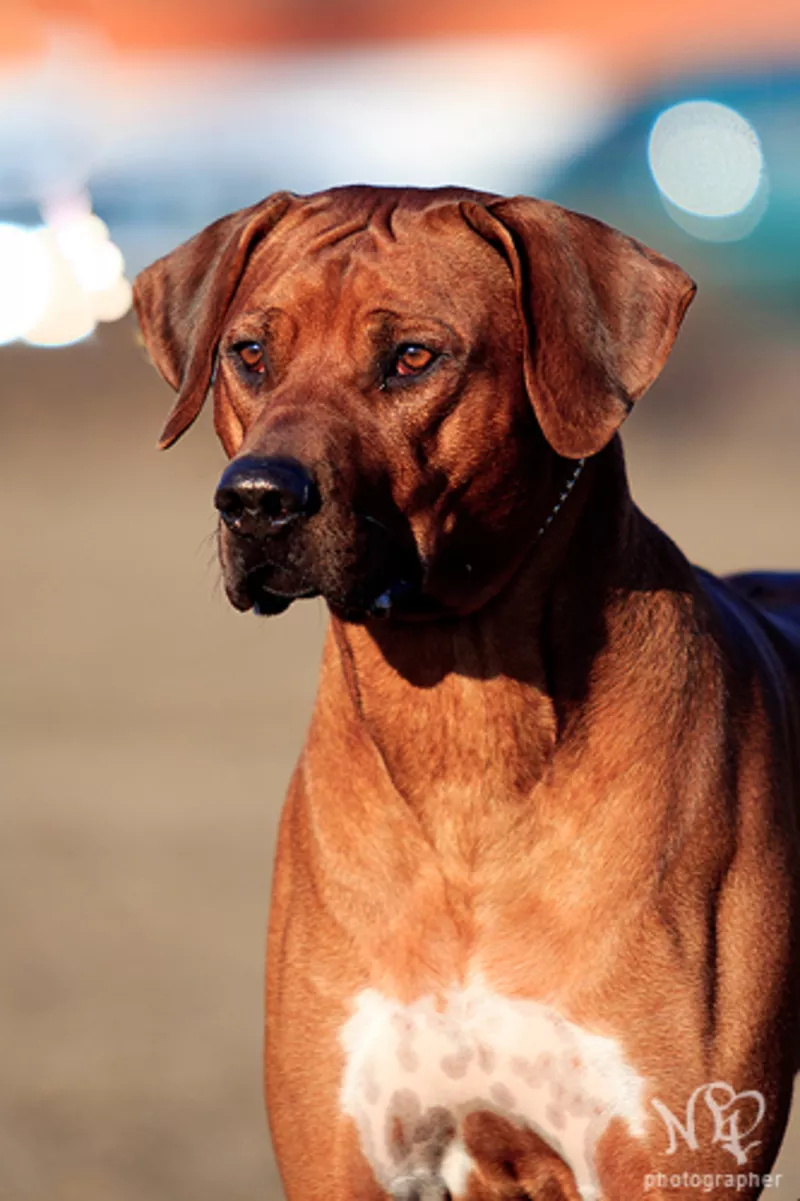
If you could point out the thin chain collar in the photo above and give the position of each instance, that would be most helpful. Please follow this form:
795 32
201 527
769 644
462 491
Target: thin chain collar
565 491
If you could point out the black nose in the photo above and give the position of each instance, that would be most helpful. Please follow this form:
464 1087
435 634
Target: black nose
258 496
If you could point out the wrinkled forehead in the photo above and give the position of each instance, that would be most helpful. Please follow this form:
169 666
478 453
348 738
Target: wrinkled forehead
322 265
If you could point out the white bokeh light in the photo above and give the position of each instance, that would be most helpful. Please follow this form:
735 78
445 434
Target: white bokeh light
706 158
59 280
113 302
79 229
96 261
67 317
88 284
26 281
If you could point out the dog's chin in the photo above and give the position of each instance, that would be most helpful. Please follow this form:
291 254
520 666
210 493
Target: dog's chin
253 592
269 604
363 603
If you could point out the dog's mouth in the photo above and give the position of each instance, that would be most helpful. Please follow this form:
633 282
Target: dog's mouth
378 578
253 582
401 598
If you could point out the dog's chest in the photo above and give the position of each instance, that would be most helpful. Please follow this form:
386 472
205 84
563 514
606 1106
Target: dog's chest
414 1072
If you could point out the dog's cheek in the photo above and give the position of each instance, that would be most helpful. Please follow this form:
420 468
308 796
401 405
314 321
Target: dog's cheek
334 554
228 423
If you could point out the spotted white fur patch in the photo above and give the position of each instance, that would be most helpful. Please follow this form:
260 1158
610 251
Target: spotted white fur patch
413 1073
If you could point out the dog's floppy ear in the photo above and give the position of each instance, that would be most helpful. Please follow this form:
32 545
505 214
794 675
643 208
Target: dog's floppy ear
600 312
182 299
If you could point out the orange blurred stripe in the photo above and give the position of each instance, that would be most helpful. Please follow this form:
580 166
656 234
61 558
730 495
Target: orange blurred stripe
630 34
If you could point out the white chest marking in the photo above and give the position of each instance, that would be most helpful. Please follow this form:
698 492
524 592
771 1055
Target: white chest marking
413 1072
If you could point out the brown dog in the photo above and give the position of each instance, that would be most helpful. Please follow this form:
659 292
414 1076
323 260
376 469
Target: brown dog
535 920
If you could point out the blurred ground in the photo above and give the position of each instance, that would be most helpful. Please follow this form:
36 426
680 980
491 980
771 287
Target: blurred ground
148 732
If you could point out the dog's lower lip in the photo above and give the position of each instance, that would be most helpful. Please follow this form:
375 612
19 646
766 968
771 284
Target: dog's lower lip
299 594
262 607
265 599
269 605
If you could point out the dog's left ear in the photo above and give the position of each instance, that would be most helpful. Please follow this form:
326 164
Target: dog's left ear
182 299
600 313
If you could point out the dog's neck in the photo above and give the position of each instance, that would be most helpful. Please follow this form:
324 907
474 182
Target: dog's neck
526 660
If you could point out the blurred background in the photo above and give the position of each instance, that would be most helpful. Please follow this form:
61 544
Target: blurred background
148 731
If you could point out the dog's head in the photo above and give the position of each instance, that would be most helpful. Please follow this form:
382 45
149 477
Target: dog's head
403 380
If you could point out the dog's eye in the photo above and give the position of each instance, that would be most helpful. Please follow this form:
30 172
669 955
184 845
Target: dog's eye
412 360
251 355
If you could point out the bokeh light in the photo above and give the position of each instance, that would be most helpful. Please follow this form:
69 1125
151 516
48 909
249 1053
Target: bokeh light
26 280
67 316
707 161
59 280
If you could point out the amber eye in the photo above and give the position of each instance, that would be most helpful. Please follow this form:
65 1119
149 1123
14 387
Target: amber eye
252 356
412 360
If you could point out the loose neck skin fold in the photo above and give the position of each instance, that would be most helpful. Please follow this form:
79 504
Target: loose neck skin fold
527 662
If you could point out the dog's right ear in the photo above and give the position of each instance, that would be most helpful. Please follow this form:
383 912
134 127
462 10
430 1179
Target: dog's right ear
181 302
